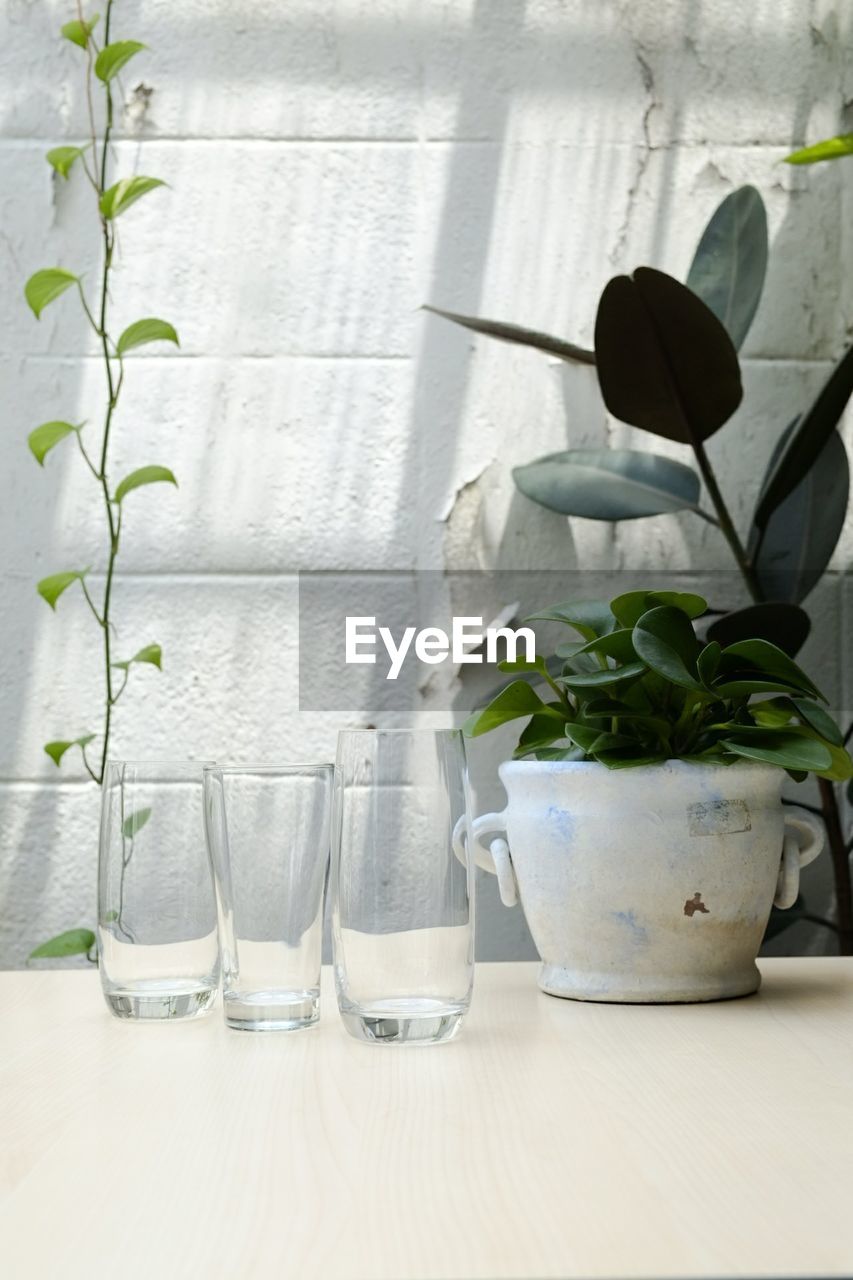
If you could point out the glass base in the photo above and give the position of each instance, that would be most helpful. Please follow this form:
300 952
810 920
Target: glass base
419 1021
160 1001
272 1010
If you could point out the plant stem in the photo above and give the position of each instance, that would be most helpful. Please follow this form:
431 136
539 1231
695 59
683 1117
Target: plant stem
726 523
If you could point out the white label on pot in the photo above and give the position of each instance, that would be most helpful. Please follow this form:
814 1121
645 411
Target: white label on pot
718 817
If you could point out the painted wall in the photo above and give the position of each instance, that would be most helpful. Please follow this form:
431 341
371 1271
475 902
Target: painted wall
332 165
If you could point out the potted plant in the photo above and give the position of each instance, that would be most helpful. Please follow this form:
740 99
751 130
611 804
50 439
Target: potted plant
645 833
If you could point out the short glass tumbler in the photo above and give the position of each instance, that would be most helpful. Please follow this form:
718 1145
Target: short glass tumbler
268 838
402 901
157 936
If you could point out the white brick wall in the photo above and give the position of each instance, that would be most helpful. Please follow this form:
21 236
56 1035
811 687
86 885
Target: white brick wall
332 164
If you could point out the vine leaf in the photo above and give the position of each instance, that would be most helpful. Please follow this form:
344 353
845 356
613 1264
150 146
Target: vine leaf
45 286
665 362
62 158
730 263
122 194
113 57
152 653
517 334
829 149
78 32
134 822
609 484
143 331
43 438
56 750
74 942
144 475
50 589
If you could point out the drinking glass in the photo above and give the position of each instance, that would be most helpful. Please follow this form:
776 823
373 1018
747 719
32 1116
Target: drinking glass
157 937
268 838
402 902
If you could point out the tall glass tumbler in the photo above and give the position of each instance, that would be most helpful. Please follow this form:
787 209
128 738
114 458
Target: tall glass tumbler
402 902
157 937
268 837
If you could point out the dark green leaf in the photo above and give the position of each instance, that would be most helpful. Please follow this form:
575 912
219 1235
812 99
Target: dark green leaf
113 57
664 638
45 286
665 363
603 679
540 732
829 149
62 158
707 662
807 441
50 589
788 751
78 32
628 759
516 334
820 720
43 438
589 618
631 606
134 823
802 532
765 659
143 331
143 476
616 644
730 264
73 943
516 700
785 625
609 484
125 193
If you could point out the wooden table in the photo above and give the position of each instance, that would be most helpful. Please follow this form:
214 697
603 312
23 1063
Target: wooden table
553 1139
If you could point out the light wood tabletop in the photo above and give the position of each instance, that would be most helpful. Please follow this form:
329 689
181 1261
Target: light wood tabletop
552 1139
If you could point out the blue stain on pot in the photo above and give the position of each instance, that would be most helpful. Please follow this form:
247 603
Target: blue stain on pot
561 821
639 934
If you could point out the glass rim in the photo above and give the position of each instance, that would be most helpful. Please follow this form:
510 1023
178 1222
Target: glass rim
161 764
411 732
324 766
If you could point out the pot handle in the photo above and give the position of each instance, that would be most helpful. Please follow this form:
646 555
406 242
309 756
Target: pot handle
804 838
496 858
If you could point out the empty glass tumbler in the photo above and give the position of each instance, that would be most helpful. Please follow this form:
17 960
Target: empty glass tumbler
157 936
402 902
268 837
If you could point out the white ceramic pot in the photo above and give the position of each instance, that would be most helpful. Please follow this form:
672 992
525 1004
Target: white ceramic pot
646 884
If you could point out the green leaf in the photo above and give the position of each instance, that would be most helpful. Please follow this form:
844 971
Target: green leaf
43 438
126 192
665 362
134 822
143 331
788 751
631 606
590 618
516 334
143 476
62 158
603 679
616 644
152 653
78 32
516 700
74 942
829 149
113 57
540 732
787 624
56 750
609 484
819 719
807 440
764 659
45 286
790 555
707 662
730 264
50 589
664 638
